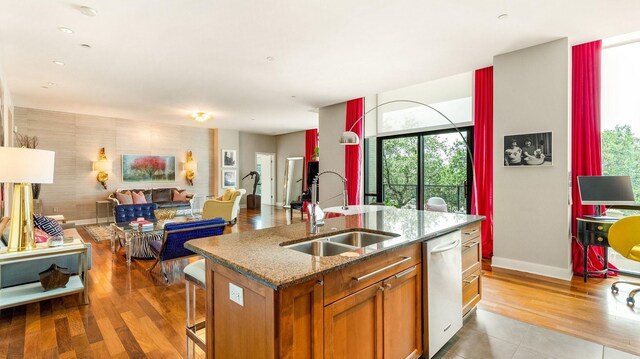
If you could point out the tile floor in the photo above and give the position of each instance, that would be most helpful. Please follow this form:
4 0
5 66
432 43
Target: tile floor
491 336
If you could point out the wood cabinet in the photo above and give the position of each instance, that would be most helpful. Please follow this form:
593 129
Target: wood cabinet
371 309
471 267
382 320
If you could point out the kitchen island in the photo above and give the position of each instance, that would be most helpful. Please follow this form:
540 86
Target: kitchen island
267 300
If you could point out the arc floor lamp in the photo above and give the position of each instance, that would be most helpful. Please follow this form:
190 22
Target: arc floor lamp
351 138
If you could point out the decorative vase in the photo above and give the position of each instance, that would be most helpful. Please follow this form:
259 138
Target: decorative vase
35 188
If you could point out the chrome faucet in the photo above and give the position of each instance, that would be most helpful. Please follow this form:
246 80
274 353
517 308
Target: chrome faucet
314 200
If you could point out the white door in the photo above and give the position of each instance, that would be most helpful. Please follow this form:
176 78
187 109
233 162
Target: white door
265 163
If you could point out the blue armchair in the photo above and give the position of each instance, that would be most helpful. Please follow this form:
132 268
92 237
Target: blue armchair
176 234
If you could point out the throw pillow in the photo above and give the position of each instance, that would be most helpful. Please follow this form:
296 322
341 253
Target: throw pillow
47 224
40 235
124 197
226 196
180 196
138 197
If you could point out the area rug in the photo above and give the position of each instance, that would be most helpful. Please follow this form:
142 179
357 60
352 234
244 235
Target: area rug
99 232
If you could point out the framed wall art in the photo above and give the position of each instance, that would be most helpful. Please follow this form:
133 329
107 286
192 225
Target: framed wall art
528 150
229 158
145 168
229 178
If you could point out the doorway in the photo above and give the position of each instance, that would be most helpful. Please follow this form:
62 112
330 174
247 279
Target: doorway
265 166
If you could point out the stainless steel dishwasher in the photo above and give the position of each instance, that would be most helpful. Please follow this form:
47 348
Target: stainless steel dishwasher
443 282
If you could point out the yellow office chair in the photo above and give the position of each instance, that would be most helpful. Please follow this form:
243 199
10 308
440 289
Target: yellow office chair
624 237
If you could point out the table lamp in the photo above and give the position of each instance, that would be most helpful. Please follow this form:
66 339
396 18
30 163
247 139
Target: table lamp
22 167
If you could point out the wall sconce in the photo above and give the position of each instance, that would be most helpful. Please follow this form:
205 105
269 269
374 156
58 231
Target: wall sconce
103 166
190 166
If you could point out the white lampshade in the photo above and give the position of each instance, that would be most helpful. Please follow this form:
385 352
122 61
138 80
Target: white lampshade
190 166
26 165
349 138
102 166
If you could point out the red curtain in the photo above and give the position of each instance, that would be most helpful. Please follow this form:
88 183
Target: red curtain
310 144
586 156
353 153
483 154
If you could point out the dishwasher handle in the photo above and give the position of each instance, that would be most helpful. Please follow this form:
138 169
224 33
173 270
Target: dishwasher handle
445 246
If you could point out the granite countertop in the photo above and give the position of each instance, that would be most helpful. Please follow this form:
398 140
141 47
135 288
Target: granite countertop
260 254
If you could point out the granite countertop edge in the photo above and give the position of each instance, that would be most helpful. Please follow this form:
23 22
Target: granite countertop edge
279 285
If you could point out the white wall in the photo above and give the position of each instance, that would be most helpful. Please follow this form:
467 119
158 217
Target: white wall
531 209
250 143
331 125
288 145
77 138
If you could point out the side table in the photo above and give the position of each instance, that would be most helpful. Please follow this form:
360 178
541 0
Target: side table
33 292
109 209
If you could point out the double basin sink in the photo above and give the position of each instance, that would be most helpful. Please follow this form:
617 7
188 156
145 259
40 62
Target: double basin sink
340 243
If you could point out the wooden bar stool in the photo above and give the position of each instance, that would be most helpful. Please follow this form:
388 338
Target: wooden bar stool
194 275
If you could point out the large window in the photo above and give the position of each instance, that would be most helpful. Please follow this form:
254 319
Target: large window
621 113
414 168
621 122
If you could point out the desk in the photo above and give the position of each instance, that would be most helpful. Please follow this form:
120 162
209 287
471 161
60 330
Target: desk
594 232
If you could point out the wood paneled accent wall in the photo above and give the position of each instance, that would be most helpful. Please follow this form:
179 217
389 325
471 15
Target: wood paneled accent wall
77 138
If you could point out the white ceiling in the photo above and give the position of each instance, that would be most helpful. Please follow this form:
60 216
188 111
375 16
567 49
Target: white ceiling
158 60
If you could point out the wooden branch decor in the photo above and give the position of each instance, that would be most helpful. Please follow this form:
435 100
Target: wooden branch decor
54 277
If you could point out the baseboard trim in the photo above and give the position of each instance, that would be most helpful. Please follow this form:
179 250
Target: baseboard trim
534 268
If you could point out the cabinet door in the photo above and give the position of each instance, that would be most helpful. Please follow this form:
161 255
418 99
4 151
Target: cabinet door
353 325
301 317
402 311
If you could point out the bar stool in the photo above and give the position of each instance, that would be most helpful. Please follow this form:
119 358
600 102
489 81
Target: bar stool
194 275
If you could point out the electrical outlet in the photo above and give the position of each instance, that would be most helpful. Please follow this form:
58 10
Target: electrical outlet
55 209
236 294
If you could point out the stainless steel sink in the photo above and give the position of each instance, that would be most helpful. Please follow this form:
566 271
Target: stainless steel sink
321 248
358 238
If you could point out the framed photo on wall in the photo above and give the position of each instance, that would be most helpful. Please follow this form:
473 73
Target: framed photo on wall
528 150
229 179
229 158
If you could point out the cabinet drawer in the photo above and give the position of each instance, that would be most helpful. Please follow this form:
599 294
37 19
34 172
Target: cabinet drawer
470 232
352 278
471 256
471 291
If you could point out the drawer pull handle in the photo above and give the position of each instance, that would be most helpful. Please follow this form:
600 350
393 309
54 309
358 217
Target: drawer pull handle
362 277
470 233
405 272
600 228
471 244
470 281
600 239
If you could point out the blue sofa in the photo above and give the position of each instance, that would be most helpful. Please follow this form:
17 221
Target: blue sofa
27 272
125 213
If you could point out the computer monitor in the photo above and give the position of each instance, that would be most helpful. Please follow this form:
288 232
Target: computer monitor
606 191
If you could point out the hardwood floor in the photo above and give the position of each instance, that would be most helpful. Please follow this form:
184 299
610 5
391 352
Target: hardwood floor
135 314
584 310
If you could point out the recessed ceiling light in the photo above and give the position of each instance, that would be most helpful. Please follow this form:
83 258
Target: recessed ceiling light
293 97
503 16
253 119
44 87
66 30
88 11
86 46
270 58
51 83
59 63
201 116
